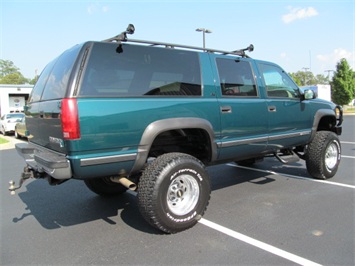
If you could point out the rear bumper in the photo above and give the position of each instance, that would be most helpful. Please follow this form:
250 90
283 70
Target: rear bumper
44 161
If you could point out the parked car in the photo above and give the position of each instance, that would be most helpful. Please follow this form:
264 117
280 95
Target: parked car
20 128
129 114
8 122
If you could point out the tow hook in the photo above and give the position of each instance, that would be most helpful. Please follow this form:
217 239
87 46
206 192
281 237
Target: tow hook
27 173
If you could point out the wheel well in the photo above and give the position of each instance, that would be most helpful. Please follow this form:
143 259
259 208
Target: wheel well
193 141
327 123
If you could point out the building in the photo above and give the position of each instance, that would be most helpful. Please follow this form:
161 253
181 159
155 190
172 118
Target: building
13 97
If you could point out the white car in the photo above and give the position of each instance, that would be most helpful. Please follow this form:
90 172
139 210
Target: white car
8 122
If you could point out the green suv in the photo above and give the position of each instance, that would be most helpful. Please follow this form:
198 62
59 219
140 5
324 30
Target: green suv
149 116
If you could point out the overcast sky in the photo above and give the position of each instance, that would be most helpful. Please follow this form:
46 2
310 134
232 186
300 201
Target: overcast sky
293 34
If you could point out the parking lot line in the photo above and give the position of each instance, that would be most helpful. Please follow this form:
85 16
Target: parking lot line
293 176
346 156
256 243
347 142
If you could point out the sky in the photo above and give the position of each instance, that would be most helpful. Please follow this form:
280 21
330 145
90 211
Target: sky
298 35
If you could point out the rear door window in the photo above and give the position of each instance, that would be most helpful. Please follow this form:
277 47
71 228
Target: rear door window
137 70
236 78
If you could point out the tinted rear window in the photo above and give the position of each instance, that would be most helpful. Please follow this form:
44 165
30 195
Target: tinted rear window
140 71
53 81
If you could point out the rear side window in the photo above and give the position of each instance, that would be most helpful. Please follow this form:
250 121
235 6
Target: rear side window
236 78
137 70
41 83
53 81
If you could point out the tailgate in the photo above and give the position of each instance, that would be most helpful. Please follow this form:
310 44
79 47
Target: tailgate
44 125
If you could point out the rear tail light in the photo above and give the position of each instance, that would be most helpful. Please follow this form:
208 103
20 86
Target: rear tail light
70 119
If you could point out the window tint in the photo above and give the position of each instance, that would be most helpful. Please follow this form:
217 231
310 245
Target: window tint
278 83
41 82
236 78
140 71
57 81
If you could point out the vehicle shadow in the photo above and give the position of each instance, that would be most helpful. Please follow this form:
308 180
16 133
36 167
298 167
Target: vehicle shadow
72 203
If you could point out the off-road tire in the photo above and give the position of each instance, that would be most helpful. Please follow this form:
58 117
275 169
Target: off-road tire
104 186
323 155
173 192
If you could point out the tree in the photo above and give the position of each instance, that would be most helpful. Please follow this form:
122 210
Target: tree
14 78
7 67
303 78
321 79
343 83
10 74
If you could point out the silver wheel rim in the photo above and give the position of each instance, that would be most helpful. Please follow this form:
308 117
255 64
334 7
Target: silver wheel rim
183 194
331 156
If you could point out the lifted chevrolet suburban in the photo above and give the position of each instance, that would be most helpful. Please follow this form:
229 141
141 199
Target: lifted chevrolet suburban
149 116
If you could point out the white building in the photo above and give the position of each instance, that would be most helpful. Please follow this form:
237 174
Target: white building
13 97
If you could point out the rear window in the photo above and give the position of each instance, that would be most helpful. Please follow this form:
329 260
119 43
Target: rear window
53 81
140 71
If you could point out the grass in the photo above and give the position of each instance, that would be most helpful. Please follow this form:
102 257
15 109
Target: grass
349 110
3 141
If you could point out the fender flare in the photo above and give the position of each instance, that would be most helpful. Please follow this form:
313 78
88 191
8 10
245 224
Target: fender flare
157 127
317 117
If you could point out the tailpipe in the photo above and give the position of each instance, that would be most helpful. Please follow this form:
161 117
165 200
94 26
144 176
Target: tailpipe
124 182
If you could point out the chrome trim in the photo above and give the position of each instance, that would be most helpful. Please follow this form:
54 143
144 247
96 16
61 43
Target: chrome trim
227 144
108 159
289 135
241 142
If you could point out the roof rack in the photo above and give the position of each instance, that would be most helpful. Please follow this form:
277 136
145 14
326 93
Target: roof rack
130 30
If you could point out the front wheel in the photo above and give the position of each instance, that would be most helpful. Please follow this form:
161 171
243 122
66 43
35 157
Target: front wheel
173 192
323 155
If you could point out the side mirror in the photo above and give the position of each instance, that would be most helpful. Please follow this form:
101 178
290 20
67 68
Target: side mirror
309 94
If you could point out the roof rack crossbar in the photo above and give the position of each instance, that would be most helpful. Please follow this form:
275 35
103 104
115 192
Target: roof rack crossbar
173 45
130 30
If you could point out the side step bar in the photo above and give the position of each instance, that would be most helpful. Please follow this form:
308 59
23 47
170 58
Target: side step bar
287 159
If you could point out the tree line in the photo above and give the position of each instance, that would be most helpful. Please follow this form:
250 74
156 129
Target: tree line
342 81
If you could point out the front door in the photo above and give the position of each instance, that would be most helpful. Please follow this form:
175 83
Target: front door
289 118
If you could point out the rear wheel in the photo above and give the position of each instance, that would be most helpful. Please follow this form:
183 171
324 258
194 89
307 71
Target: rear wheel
323 155
104 186
173 192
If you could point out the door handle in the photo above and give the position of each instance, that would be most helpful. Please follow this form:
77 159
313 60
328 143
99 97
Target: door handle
226 109
272 108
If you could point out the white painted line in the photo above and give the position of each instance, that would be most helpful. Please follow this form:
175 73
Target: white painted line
347 142
294 176
346 156
256 243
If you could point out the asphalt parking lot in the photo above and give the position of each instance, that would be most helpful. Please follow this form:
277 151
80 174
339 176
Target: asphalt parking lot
271 214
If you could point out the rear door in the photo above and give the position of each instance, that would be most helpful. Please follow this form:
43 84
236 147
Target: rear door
244 124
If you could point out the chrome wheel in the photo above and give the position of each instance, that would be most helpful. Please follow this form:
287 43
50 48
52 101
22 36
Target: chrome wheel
331 156
183 194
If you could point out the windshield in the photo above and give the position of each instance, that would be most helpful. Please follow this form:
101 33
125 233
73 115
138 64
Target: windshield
10 116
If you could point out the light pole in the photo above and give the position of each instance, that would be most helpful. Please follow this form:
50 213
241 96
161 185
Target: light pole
305 74
204 31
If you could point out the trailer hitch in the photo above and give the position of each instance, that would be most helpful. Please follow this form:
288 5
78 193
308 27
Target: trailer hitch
26 174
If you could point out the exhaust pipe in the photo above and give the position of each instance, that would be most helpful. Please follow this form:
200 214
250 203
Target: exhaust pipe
124 182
